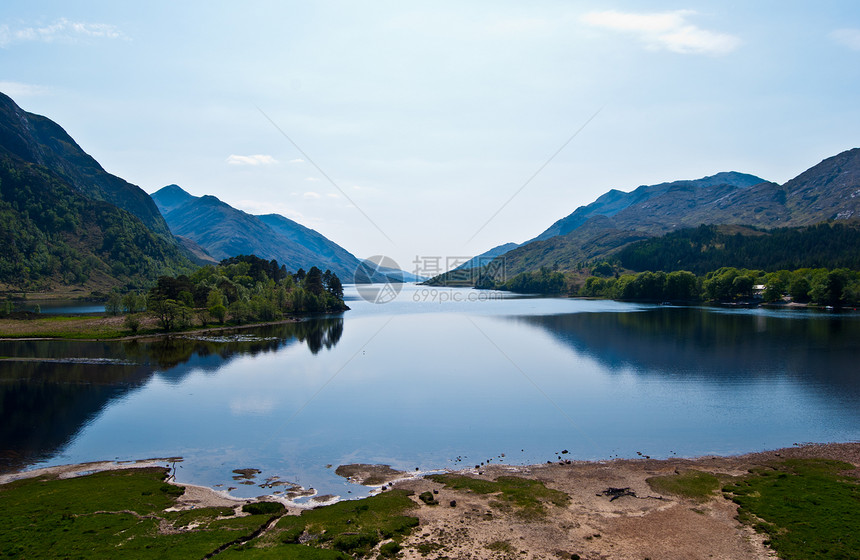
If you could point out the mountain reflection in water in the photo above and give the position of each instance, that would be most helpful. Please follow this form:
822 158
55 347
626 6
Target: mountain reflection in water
49 390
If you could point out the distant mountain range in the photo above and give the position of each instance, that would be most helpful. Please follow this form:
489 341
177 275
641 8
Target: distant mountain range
223 231
827 191
66 222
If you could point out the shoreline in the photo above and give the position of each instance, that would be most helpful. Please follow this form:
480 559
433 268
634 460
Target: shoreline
152 335
381 477
611 511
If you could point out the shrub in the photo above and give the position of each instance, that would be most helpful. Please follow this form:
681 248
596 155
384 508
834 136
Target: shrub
263 508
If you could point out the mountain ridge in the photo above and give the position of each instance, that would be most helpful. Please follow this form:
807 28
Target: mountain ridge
39 140
829 190
60 229
224 231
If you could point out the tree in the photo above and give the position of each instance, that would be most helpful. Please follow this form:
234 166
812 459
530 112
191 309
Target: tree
681 285
332 284
170 313
827 289
799 289
219 312
132 322
133 302
775 286
742 286
313 281
113 306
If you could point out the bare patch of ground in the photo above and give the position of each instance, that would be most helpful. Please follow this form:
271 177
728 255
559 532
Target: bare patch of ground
636 525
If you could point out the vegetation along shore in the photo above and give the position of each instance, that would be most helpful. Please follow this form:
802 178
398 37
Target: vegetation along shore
239 292
797 503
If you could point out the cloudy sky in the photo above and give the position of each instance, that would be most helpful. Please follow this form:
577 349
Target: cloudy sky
417 129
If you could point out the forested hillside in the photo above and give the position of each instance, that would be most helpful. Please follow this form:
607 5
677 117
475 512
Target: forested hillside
51 235
706 248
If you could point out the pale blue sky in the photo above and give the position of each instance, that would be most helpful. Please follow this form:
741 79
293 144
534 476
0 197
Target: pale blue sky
429 116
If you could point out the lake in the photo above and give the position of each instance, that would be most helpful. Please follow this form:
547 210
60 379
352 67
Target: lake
437 378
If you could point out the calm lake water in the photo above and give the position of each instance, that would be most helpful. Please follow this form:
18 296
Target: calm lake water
425 383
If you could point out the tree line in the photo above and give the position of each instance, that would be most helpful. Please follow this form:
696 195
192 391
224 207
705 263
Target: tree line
820 286
238 290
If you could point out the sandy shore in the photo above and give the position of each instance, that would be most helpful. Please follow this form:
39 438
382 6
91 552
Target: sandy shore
649 525
642 524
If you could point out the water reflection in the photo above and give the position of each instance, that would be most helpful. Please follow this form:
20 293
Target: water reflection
49 390
722 347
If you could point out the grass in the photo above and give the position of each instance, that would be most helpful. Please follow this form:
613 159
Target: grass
64 326
110 514
526 497
100 327
122 514
696 485
500 546
807 508
341 530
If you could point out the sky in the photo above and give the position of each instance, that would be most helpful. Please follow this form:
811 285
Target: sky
433 131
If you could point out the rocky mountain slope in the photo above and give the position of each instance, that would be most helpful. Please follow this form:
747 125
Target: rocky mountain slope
224 231
827 191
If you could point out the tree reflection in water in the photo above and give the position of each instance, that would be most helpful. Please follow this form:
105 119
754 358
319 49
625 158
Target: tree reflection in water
49 390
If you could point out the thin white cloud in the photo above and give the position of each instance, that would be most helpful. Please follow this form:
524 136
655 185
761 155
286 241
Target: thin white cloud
310 195
847 38
665 31
333 195
312 179
62 30
18 89
297 160
257 159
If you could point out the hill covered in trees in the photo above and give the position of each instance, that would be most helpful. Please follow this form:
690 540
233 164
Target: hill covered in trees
52 235
708 247
65 221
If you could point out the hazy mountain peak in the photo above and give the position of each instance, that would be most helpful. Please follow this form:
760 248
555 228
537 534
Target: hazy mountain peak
614 201
170 197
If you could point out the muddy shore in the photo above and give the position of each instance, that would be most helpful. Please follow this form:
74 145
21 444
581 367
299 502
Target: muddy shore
598 522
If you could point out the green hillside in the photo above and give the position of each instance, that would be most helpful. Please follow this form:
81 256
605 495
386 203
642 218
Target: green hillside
706 248
51 235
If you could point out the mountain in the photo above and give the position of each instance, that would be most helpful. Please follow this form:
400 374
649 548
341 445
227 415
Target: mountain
41 141
224 231
59 226
329 252
487 256
608 204
829 190
616 201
